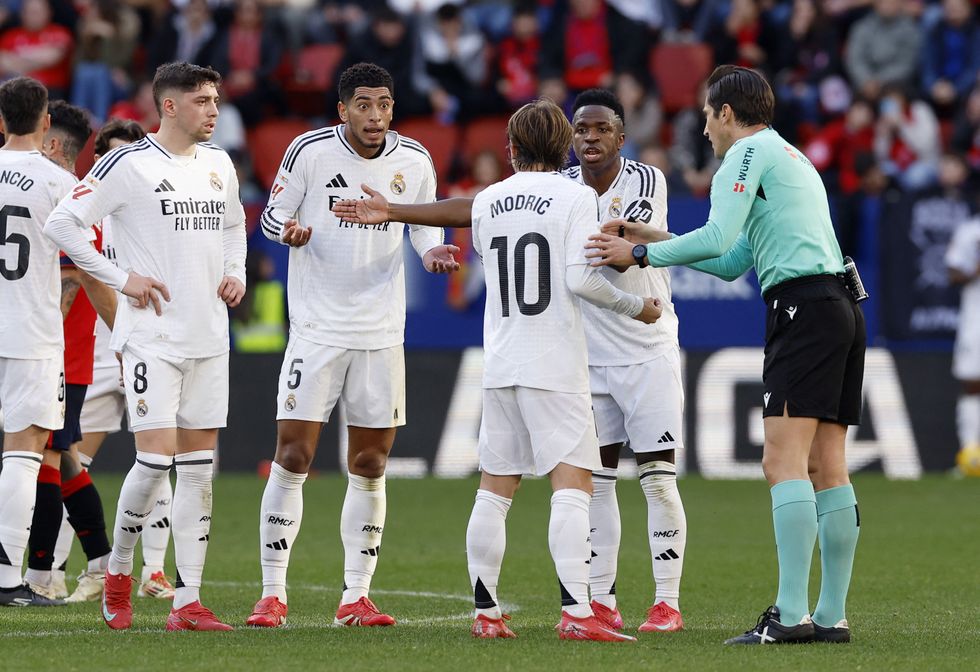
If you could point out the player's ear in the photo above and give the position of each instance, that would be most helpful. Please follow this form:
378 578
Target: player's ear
342 111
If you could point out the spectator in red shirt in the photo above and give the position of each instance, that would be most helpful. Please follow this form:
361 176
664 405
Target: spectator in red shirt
517 58
38 48
582 55
833 151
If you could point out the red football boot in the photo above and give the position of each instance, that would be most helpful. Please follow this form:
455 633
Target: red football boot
610 617
117 605
269 612
194 616
363 612
588 628
661 617
485 627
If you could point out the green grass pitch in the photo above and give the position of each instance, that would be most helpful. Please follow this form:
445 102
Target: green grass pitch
913 605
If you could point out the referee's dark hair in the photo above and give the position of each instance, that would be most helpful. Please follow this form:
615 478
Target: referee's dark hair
117 129
540 135
367 75
602 98
744 90
23 101
183 77
72 124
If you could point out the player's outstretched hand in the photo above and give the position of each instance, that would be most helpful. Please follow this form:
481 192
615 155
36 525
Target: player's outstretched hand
145 291
638 233
606 250
295 235
370 210
652 310
440 259
231 290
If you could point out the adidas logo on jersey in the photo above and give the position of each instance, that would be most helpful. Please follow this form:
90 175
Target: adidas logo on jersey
164 186
337 182
666 438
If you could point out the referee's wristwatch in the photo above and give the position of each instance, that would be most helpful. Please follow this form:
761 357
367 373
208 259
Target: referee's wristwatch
640 256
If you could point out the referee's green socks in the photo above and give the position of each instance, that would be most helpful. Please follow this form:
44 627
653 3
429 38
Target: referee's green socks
794 517
839 524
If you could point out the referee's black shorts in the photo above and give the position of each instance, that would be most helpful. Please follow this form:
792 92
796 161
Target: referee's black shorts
815 343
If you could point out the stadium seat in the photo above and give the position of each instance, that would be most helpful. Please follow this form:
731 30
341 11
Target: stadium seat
267 143
679 70
312 76
486 133
441 141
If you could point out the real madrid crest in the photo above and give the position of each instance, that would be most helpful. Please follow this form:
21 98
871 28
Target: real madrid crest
216 183
398 184
141 408
290 404
616 207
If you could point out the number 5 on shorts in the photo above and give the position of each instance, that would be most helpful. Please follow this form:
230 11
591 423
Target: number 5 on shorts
293 383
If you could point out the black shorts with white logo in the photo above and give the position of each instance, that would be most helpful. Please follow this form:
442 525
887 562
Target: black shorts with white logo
62 439
815 344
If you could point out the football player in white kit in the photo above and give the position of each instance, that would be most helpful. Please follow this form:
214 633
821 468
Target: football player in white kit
963 262
635 377
529 229
635 373
347 325
179 225
102 412
32 380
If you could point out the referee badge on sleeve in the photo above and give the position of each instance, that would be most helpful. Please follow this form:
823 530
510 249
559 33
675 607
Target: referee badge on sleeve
398 184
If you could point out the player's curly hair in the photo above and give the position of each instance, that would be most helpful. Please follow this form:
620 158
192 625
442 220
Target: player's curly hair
183 77
117 129
73 124
540 135
602 98
744 90
23 101
363 74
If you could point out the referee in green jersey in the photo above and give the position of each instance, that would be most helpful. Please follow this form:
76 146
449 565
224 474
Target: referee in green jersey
769 210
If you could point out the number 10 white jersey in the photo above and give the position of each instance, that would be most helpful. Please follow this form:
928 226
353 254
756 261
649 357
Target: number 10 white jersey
30 276
528 229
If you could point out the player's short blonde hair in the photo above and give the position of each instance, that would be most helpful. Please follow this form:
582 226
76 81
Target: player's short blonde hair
540 135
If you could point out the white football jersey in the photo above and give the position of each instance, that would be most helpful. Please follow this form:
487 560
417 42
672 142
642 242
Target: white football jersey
639 193
170 218
528 229
105 356
30 272
347 284
963 255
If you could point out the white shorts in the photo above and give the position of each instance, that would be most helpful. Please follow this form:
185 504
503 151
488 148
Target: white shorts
642 403
530 431
105 402
371 384
164 391
32 392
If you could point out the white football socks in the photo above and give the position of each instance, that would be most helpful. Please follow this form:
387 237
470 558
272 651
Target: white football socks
191 522
486 540
279 521
18 489
968 419
156 532
135 503
666 527
568 539
362 522
66 535
606 533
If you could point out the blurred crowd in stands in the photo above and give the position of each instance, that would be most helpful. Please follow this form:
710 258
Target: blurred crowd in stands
878 93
